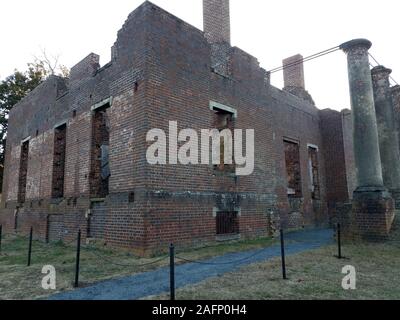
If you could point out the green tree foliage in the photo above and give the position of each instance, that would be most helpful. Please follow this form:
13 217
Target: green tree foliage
12 90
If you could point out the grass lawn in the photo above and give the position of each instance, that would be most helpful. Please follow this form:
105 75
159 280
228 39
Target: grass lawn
17 281
312 275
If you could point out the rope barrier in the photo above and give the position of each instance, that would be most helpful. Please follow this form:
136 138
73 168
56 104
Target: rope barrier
90 250
222 263
184 250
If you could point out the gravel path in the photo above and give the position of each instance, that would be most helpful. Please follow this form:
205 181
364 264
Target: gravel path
157 282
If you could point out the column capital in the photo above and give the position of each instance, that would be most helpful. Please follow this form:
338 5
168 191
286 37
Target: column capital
380 72
356 44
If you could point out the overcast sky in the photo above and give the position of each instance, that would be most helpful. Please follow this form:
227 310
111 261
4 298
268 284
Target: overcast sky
269 30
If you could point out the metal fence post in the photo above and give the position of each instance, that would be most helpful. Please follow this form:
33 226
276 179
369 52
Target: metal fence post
339 241
172 271
78 256
283 255
30 247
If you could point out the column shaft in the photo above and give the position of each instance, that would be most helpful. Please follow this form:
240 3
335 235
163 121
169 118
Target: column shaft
372 208
365 131
388 139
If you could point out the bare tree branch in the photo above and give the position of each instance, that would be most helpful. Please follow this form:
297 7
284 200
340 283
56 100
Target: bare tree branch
49 65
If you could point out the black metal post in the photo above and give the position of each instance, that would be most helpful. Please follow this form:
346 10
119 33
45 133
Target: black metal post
30 247
1 234
283 256
47 228
78 256
172 271
339 241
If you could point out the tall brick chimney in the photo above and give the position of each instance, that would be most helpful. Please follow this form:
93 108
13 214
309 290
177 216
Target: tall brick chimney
293 77
293 72
216 21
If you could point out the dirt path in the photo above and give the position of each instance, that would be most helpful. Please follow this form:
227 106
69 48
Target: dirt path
157 282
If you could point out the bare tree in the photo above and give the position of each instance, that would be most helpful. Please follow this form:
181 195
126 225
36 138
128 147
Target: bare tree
49 65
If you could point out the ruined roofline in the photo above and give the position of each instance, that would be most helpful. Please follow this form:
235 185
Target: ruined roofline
343 111
149 5
171 15
305 103
131 16
293 101
50 78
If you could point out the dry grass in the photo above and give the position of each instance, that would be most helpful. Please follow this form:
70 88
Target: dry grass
17 281
312 275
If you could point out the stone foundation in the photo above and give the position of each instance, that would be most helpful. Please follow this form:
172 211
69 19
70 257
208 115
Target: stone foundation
373 214
396 197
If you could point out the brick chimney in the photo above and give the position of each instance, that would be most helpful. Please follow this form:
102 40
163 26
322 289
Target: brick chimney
293 72
293 76
217 21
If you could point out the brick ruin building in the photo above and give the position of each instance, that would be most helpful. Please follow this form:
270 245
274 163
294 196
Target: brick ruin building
76 148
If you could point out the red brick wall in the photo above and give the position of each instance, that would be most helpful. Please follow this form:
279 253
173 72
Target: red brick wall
293 72
60 139
216 20
161 72
347 125
77 161
339 158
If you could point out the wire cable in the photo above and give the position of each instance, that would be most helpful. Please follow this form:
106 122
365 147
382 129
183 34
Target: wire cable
318 55
376 61
309 58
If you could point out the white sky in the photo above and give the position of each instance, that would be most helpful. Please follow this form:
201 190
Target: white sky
269 30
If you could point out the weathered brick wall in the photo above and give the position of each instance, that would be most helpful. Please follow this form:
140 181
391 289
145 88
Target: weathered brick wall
46 162
217 20
299 121
182 70
11 173
396 106
97 220
372 216
77 161
293 72
337 133
34 169
100 137
332 133
293 77
161 71
85 69
60 139
347 125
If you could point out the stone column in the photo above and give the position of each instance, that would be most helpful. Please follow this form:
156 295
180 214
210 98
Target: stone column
388 139
373 208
